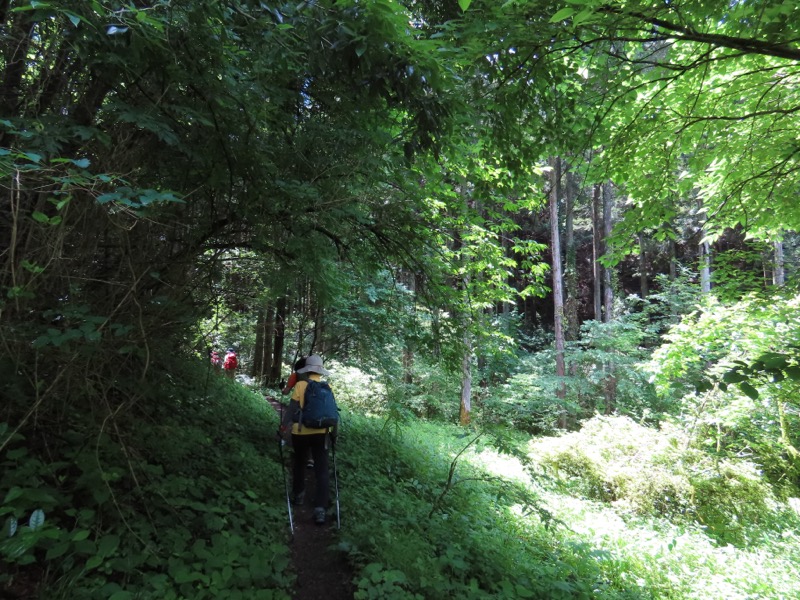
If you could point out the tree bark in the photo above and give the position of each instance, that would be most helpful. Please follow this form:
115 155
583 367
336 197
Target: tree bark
558 291
778 270
673 261
410 280
643 285
280 336
572 324
705 267
610 379
608 290
465 411
269 333
257 366
597 250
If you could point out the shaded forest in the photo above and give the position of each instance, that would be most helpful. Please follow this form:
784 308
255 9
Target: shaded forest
549 251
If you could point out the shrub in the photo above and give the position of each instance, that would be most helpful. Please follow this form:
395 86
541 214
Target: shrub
647 472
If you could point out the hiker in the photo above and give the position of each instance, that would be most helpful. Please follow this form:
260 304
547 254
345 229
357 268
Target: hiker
305 439
216 360
230 364
286 387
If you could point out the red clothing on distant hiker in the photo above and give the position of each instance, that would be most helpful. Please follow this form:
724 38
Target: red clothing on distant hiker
290 384
231 362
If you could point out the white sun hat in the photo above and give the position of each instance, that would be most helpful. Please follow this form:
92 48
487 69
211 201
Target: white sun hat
314 365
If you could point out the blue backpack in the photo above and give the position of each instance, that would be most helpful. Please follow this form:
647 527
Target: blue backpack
319 406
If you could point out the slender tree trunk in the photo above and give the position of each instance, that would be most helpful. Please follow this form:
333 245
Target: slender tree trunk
465 411
257 366
269 334
506 306
597 250
705 267
778 271
673 261
319 331
608 290
408 350
280 336
572 325
558 291
643 285
610 379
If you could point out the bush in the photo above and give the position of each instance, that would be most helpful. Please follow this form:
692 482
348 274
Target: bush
647 472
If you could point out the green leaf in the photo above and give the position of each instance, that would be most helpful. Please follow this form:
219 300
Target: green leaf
9 527
773 360
75 19
32 6
464 4
703 386
40 217
107 545
12 494
83 163
37 519
564 13
748 390
58 550
793 372
734 376
94 562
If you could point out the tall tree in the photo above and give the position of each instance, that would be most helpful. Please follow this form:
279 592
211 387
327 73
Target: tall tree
558 289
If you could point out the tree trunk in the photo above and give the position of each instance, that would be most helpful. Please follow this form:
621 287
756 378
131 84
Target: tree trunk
465 411
705 267
558 292
257 366
408 350
610 379
597 250
778 271
643 286
572 324
608 290
318 345
269 333
280 336
673 261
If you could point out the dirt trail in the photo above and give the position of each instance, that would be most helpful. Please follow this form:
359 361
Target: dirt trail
322 572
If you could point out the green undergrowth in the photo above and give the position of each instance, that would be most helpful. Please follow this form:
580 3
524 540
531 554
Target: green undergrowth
502 528
183 499
179 498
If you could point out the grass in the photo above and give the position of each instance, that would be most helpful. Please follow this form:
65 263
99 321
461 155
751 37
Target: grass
185 501
507 530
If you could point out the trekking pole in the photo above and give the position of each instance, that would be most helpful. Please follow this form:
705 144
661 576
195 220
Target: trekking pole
336 486
286 487
285 482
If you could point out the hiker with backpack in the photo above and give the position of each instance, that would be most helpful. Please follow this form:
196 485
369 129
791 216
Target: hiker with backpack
216 361
230 364
313 418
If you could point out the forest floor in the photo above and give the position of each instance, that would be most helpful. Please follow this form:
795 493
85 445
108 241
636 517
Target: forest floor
322 572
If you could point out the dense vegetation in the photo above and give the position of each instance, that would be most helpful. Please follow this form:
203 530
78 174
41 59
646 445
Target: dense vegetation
549 250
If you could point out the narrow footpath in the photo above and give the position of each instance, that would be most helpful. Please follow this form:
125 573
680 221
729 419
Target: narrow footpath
322 572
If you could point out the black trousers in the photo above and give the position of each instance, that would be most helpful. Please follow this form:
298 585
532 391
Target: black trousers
315 444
